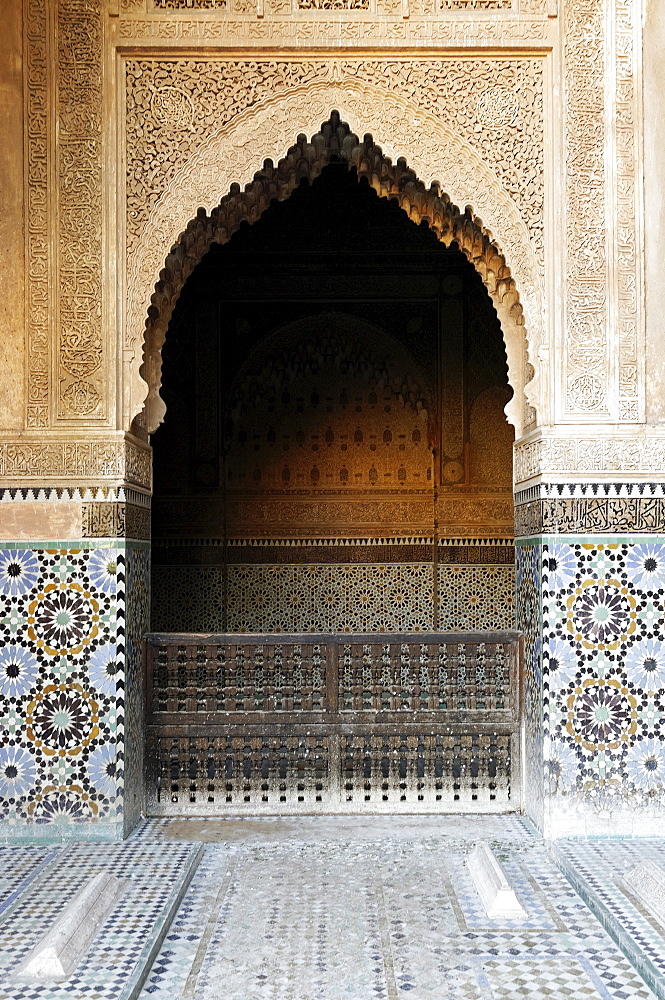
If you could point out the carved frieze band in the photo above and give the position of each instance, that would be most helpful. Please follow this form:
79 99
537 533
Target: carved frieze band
193 552
390 20
617 490
359 31
341 516
575 456
83 463
325 7
69 494
568 516
115 520
304 8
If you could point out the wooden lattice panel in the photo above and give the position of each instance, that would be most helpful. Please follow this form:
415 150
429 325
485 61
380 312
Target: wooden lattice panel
427 771
354 723
422 676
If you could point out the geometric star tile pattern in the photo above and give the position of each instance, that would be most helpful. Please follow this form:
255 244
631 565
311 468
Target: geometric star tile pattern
593 613
595 688
62 689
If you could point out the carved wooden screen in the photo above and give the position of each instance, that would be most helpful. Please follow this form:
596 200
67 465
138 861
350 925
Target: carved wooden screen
251 724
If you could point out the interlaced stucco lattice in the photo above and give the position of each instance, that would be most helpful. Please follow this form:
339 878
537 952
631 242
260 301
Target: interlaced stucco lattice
369 597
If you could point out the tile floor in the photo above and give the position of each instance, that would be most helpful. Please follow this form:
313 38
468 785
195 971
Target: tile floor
326 908
38 882
595 868
366 909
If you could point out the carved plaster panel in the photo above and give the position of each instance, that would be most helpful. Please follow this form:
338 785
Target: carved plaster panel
476 515
81 376
115 520
66 375
628 236
495 106
587 345
603 230
75 463
601 378
175 127
38 250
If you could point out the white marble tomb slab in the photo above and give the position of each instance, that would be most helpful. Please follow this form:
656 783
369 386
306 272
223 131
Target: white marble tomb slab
61 949
497 895
646 882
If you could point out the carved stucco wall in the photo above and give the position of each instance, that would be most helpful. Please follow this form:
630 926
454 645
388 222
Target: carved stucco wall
590 64
64 76
603 214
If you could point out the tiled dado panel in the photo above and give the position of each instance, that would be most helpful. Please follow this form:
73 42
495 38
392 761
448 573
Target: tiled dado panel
332 598
67 665
603 631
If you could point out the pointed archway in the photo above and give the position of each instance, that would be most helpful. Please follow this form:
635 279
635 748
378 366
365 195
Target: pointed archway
306 159
297 487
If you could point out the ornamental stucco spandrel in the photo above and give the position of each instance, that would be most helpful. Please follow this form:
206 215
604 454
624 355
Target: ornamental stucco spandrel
279 100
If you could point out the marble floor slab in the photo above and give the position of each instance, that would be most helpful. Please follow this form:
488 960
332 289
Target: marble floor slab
377 908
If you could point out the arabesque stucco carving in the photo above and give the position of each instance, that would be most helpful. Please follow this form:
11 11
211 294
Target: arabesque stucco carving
589 365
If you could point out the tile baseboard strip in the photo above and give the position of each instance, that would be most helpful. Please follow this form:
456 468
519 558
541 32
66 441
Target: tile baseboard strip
644 967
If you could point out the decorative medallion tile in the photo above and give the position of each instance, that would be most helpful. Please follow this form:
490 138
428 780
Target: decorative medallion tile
604 677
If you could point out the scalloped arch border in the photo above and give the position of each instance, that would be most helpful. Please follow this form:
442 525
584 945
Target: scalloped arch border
438 161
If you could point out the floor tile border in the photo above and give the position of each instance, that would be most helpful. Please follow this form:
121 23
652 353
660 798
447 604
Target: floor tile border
151 950
644 967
